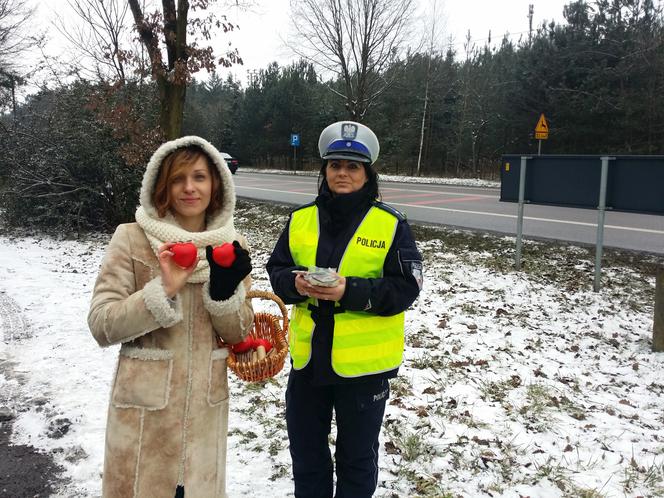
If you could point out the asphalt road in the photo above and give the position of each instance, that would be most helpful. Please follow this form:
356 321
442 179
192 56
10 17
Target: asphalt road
477 209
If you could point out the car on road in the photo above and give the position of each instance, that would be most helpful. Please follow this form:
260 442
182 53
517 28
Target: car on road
232 163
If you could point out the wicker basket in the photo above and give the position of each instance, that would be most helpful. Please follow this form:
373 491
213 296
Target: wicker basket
266 326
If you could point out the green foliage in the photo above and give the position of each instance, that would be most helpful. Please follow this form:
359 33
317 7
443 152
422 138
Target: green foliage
75 153
212 112
61 168
596 77
255 124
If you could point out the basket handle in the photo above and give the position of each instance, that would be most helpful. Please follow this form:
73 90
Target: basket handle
273 297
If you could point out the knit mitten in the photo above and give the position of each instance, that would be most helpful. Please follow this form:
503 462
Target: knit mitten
224 281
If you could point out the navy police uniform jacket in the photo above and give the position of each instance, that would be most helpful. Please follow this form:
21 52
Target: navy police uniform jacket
393 293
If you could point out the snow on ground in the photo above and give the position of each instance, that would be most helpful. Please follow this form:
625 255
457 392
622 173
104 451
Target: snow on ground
514 384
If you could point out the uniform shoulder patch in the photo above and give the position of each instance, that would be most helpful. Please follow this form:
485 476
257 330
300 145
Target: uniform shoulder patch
386 207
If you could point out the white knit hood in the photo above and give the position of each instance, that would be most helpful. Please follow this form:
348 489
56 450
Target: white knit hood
227 186
219 225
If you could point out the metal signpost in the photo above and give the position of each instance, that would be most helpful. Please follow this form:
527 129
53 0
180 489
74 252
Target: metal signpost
519 219
541 132
601 182
295 142
601 210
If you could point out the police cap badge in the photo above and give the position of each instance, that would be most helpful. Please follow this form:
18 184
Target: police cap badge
349 140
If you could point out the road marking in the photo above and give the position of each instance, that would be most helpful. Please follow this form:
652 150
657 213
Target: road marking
407 196
482 213
548 220
383 188
447 201
276 191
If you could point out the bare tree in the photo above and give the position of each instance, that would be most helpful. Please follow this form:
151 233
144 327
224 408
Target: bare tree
14 17
432 42
15 40
172 67
101 33
168 50
355 40
103 47
123 44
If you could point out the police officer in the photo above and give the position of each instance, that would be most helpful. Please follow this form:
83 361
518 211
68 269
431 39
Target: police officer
347 340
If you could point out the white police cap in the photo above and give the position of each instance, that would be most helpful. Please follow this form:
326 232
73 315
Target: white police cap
348 140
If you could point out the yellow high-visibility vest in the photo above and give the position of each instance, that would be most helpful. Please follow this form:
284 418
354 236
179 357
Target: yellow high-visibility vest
363 343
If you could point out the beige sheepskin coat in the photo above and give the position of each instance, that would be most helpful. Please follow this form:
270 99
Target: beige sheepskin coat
168 413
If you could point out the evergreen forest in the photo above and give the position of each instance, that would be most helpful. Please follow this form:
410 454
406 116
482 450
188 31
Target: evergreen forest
71 157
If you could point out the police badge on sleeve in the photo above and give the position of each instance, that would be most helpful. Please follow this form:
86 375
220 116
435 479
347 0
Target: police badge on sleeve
416 270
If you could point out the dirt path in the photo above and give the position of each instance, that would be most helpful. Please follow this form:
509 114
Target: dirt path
24 471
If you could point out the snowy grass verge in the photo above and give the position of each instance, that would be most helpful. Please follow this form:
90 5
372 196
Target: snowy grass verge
514 383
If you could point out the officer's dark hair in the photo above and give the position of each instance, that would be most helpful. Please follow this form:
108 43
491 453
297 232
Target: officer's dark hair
372 179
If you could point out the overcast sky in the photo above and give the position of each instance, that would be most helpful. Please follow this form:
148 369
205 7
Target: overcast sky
260 34
262 30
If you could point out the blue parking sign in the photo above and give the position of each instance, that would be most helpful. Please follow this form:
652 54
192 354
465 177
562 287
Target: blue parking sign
295 139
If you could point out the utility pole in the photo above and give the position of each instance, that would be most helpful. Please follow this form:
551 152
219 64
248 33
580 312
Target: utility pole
531 11
424 113
12 82
252 76
426 87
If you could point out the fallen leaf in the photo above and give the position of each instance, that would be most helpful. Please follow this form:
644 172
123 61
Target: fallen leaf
391 449
481 442
539 373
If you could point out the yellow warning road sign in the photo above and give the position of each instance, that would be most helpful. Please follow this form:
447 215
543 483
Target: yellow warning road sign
542 128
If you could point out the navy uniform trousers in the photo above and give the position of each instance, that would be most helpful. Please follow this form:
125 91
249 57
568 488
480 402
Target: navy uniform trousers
359 409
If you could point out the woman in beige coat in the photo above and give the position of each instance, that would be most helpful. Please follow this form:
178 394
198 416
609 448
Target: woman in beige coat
168 415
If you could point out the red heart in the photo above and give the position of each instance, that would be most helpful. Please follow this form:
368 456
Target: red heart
265 343
224 255
184 254
244 346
